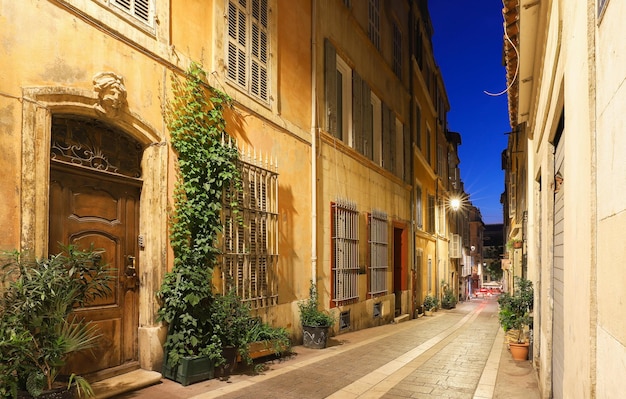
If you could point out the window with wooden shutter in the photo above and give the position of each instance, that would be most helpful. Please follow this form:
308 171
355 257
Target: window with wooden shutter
139 9
248 46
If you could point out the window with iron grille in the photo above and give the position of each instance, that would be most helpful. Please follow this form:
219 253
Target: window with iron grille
139 9
248 46
345 247
374 22
430 227
250 236
379 242
397 51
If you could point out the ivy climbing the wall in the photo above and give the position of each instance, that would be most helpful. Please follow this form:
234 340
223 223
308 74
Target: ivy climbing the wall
206 169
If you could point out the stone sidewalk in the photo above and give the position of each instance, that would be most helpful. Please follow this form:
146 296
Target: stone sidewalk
457 353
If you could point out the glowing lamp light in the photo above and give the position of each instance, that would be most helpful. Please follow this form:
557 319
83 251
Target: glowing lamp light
455 204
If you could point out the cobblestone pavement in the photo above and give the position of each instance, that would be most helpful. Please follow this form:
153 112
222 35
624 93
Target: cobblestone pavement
453 354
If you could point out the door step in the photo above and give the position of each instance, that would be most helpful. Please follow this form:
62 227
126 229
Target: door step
127 382
401 318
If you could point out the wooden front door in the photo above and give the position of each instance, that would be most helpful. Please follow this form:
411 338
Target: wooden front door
88 207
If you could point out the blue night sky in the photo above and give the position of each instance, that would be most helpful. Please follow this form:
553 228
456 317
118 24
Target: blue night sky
467 41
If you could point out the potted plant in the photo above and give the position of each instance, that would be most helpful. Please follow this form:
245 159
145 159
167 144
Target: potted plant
514 243
514 315
430 303
230 319
264 339
315 323
39 330
449 300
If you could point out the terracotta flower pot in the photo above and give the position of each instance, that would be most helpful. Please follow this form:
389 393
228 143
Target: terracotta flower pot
519 351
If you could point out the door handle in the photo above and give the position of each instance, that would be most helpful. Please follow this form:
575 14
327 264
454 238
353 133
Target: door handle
131 270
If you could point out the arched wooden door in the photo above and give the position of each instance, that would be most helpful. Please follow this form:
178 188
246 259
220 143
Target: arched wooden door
92 203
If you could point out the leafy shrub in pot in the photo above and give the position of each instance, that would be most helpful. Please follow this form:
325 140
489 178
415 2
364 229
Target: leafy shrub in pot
39 330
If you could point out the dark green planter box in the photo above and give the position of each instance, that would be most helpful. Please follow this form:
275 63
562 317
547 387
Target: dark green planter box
190 370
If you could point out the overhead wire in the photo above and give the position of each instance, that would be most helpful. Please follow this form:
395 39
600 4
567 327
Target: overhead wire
506 35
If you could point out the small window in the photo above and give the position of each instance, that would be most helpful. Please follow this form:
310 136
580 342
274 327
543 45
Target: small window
374 22
344 321
139 9
397 51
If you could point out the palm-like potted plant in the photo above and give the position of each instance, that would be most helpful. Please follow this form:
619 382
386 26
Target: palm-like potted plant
515 315
315 322
39 331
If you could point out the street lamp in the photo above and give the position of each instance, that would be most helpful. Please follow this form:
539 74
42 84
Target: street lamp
455 204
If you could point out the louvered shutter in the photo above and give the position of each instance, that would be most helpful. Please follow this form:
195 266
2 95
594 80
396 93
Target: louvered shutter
330 79
357 112
139 9
387 124
407 153
237 43
368 127
259 49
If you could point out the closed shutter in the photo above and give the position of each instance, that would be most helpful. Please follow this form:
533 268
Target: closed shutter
330 88
388 126
248 47
237 43
407 153
357 112
259 46
368 126
558 286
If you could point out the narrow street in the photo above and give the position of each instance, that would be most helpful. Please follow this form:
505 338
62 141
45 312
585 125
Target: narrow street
453 354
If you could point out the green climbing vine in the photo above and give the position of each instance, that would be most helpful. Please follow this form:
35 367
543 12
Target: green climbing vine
206 170
206 166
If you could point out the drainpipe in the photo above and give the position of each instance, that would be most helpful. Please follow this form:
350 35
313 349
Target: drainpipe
313 144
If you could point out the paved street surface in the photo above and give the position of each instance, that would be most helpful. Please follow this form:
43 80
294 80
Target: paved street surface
458 353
